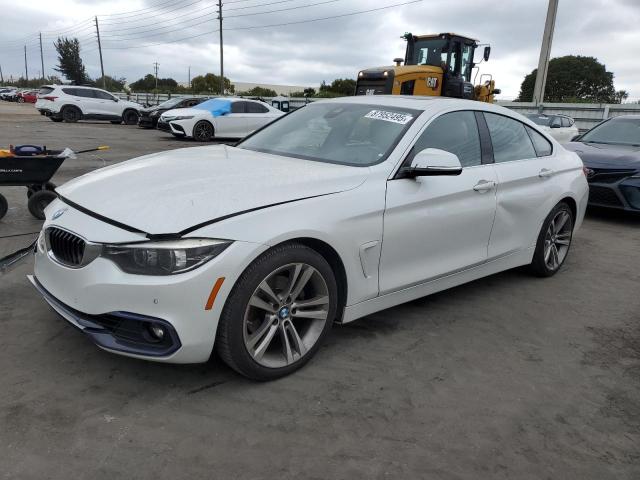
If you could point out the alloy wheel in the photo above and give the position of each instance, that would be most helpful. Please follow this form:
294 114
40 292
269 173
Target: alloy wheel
203 131
286 315
557 240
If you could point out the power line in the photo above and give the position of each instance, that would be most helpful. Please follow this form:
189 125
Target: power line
198 13
180 28
283 9
152 7
268 4
159 12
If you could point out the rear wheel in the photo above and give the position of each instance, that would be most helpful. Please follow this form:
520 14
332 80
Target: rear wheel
202 131
39 201
71 114
130 117
278 313
116 122
55 119
554 241
4 205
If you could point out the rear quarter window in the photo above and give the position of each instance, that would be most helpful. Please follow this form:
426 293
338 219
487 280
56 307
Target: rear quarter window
541 145
45 90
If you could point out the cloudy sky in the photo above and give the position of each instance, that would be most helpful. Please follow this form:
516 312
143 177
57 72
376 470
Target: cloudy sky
260 49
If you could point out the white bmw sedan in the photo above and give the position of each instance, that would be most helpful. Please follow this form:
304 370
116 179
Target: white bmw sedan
337 210
218 117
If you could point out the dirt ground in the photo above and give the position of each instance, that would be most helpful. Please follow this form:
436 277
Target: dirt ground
508 377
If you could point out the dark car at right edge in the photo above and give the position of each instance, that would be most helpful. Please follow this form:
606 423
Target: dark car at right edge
610 152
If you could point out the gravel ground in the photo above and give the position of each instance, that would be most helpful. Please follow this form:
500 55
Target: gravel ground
508 377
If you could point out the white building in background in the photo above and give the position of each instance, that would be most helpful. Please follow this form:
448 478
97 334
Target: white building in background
279 89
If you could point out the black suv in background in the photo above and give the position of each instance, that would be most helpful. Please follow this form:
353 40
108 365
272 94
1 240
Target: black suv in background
149 116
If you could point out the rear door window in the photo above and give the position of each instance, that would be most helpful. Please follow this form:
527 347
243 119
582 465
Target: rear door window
541 145
71 91
238 107
254 107
509 139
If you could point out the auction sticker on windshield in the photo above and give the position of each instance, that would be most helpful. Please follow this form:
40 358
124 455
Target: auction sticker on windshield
401 118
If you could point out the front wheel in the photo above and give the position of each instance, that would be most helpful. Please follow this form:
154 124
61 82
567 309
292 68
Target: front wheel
130 117
554 241
278 313
203 131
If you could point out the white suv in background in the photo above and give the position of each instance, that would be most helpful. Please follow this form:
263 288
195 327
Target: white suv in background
560 127
72 103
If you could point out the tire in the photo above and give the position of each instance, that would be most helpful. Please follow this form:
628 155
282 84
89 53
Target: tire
56 119
71 114
130 117
20 100
4 206
253 340
39 201
116 122
554 241
202 131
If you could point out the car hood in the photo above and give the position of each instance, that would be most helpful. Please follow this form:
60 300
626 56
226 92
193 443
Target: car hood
599 155
174 191
174 112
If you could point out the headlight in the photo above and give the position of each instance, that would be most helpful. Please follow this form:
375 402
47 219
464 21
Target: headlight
164 257
183 117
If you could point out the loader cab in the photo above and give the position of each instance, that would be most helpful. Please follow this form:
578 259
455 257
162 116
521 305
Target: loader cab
453 53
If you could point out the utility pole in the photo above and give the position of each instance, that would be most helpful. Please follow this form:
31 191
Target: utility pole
189 78
545 51
221 49
104 81
26 72
1 77
155 67
41 57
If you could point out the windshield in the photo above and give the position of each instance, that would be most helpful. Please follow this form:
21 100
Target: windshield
542 120
348 134
617 131
429 52
170 103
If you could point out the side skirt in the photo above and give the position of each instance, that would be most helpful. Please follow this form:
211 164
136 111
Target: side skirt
359 310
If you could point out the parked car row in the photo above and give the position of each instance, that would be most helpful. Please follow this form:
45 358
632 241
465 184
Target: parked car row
12 94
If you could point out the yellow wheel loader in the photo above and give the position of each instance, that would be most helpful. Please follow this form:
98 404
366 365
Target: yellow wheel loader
434 65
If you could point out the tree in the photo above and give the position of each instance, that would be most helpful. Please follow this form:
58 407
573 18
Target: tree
69 61
343 86
111 84
210 83
259 92
572 79
148 84
621 95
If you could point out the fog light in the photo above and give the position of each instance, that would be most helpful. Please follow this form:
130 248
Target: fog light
156 331
632 194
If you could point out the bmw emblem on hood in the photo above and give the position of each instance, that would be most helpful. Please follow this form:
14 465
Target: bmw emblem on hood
58 213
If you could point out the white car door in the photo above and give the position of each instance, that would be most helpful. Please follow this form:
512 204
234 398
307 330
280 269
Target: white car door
525 169
233 124
83 98
438 225
108 104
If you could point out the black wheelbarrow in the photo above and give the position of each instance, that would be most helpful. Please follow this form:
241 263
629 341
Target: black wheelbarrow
33 167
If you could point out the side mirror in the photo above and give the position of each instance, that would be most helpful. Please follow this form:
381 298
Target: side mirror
487 52
432 162
116 99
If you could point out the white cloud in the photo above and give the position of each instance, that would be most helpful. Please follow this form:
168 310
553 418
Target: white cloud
308 53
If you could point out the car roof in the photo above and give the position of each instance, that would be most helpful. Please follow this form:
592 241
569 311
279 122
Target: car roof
420 103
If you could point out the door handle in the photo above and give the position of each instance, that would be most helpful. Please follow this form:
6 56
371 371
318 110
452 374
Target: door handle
484 186
545 173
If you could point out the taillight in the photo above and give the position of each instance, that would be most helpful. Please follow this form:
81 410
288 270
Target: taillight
51 99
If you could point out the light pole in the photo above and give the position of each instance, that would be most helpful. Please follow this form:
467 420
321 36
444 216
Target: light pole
545 51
